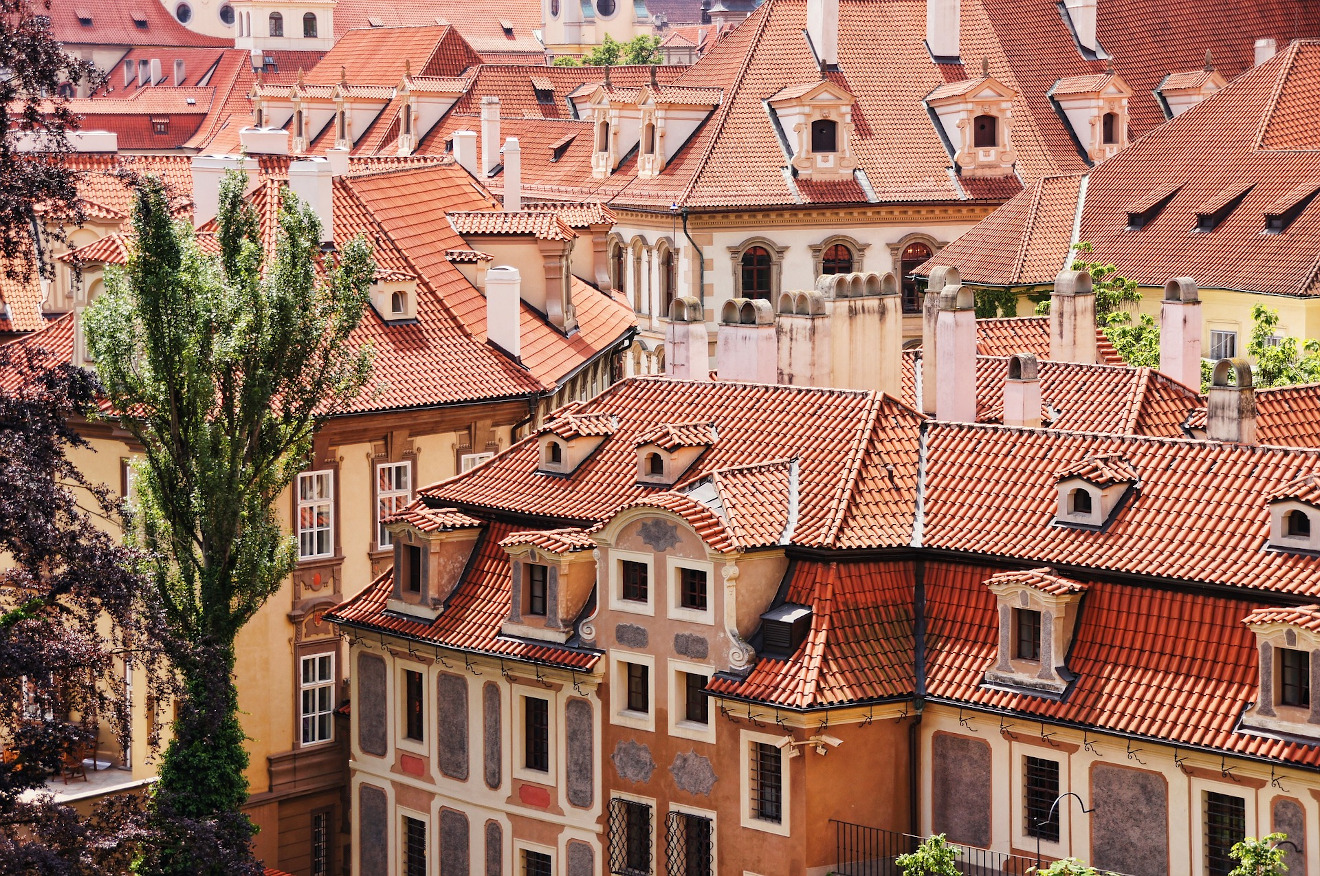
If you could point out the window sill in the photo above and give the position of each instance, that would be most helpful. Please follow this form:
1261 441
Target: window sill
632 606
692 615
693 730
761 824
635 720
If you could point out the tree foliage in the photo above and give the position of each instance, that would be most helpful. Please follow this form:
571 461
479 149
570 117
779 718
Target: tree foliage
221 367
934 857
1259 857
1115 295
1280 361
641 49
1069 867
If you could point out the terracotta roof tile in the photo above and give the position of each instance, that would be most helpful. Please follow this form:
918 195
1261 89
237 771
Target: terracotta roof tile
572 425
1305 488
1103 470
51 345
546 225
122 23
380 56
434 519
671 436
1044 580
479 24
1306 617
559 541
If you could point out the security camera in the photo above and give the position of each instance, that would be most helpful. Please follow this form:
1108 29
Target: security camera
785 742
831 741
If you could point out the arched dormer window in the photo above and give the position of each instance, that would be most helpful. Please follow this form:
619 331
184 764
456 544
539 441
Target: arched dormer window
1079 501
985 131
837 259
655 465
298 124
406 120
554 453
1298 524
756 280
309 25
276 24
648 139
603 136
1109 129
618 265
824 135
341 125
398 302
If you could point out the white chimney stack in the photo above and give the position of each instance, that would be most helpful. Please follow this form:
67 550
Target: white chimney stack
930 316
338 158
490 134
955 348
687 345
144 72
207 172
1082 15
823 29
942 38
1180 332
178 71
313 181
1266 48
504 309
1231 410
157 71
130 73
1072 319
745 346
512 175
465 150
264 141
1022 392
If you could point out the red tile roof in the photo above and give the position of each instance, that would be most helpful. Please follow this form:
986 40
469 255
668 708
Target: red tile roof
52 345
1104 470
559 541
1305 616
479 24
1305 488
545 225
122 23
571 425
671 436
434 519
1043 580
381 55
1030 334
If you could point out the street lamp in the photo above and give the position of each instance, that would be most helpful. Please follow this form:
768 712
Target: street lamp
1048 818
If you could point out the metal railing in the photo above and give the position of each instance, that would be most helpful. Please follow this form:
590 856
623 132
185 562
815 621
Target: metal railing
870 851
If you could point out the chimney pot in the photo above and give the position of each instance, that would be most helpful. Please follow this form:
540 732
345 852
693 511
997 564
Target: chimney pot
745 344
1180 332
955 348
1022 392
504 309
465 150
1231 409
1072 319
512 175
490 134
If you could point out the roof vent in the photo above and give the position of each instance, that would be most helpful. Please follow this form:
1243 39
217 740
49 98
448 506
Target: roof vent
784 628
1280 214
1144 211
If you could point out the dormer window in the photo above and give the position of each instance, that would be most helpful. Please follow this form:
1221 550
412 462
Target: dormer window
569 439
1288 647
1292 515
1095 107
667 451
1091 489
394 295
986 129
431 546
816 119
824 135
1037 612
412 568
1299 524
1026 625
398 303
553 574
1079 501
655 465
1294 677
537 575
975 118
554 453
1109 129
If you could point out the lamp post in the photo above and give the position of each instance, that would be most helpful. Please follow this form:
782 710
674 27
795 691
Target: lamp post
1048 818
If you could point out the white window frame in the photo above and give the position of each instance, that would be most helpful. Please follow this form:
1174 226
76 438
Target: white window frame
314 688
674 602
678 724
311 504
400 865
1210 348
621 714
617 602
383 538
519 693
784 827
401 740
520 846
469 461
684 809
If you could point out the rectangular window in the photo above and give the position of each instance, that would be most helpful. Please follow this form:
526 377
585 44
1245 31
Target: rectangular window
393 493
315 514
639 687
1225 826
414 847
630 838
1223 345
697 706
688 845
317 684
692 589
1294 677
412 709
537 864
634 581
412 555
1040 788
536 588
470 461
536 742
766 782
320 844
1027 623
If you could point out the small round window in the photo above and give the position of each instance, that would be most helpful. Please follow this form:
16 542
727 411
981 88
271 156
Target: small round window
183 12
606 7
554 8
227 14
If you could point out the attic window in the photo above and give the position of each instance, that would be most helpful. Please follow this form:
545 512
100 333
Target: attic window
784 628
1109 129
544 96
824 135
554 453
160 126
1142 213
84 17
1079 501
986 132
507 27
1283 211
1288 643
398 303
558 150
139 19
375 21
1037 611
655 465
1212 213
1298 524
1091 489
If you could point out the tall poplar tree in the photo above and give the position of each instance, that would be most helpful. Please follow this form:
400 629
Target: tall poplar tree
221 366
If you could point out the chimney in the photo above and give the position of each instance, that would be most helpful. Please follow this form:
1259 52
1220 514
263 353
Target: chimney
866 331
930 314
1022 392
745 347
338 159
1231 410
942 37
687 346
1266 48
504 309
264 141
1072 318
157 71
512 175
465 150
144 72
1180 332
802 340
955 348
823 30
1082 15
178 71
130 73
490 134
313 181
207 172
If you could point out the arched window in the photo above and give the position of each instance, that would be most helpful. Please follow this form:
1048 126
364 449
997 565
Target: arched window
276 24
914 256
668 278
341 125
838 259
985 131
824 136
298 124
257 117
397 302
756 265
655 465
648 139
1080 500
1109 128
618 264
309 25
406 117
1299 524
554 453
603 137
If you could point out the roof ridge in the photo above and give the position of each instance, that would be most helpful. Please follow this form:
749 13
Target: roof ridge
814 654
1312 452
1029 227
1138 399
1289 58
854 466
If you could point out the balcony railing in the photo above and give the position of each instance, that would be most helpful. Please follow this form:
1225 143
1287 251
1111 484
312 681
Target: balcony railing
869 851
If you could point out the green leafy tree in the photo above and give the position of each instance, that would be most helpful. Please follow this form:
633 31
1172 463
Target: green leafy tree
1280 361
1115 294
1137 342
991 303
1259 857
934 857
643 49
566 61
607 54
221 368
1069 867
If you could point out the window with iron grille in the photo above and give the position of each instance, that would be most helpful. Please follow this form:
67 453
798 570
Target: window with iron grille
630 838
536 721
537 864
412 706
697 707
1294 677
320 843
414 847
1223 345
639 684
692 589
1225 826
688 849
1028 634
634 581
1040 788
766 785
536 578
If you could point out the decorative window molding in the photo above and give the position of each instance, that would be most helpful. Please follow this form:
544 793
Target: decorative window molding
536 745
315 497
1037 613
316 698
679 723
1090 490
1096 110
1288 647
775 268
623 713
618 602
976 119
817 121
691 591
856 247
